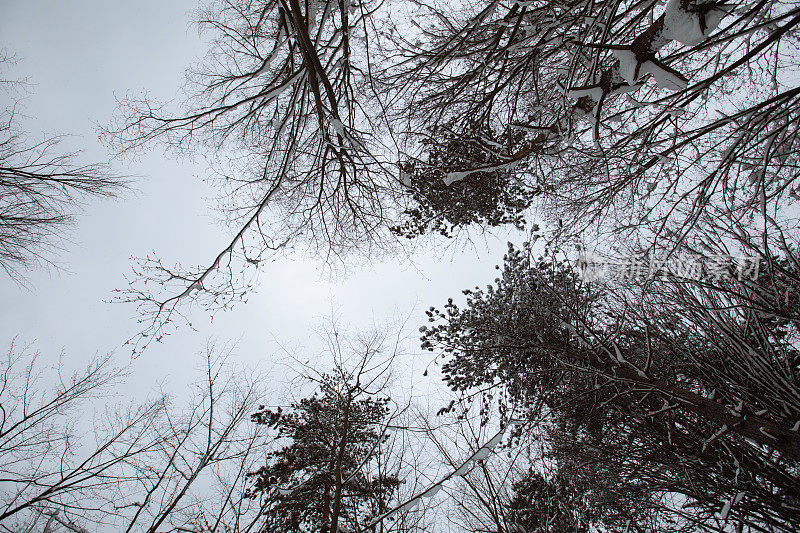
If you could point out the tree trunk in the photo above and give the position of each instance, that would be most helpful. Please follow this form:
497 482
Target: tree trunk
337 496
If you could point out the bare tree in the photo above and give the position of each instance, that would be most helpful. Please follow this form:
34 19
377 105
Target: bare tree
41 188
49 472
588 105
161 466
475 483
197 464
280 95
193 480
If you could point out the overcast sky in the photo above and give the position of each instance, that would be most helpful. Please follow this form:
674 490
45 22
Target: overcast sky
78 56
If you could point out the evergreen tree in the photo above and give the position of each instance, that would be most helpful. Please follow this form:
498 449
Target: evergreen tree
675 406
329 475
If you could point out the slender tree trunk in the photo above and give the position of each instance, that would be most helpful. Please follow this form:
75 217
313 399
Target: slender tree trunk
337 497
326 507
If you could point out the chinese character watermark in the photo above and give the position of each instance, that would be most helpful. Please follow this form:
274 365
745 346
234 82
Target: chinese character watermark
593 267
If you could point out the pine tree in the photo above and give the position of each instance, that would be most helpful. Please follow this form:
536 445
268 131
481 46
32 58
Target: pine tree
677 405
329 475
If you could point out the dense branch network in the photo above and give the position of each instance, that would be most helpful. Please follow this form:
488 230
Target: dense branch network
679 387
622 118
637 123
279 96
41 189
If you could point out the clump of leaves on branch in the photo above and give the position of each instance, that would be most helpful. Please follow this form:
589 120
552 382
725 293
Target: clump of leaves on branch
448 192
541 505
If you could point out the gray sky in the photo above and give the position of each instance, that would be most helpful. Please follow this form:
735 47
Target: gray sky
78 55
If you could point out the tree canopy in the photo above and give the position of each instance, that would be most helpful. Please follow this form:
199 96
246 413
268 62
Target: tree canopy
331 464
646 400
683 398
42 187
343 125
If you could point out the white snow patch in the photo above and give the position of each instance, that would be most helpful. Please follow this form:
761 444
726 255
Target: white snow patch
409 505
620 359
312 13
715 436
463 470
664 78
277 91
725 510
452 177
492 444
431 492
264 69
627 65
713 18
634 102
338 126
595 93
682 26
482 454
